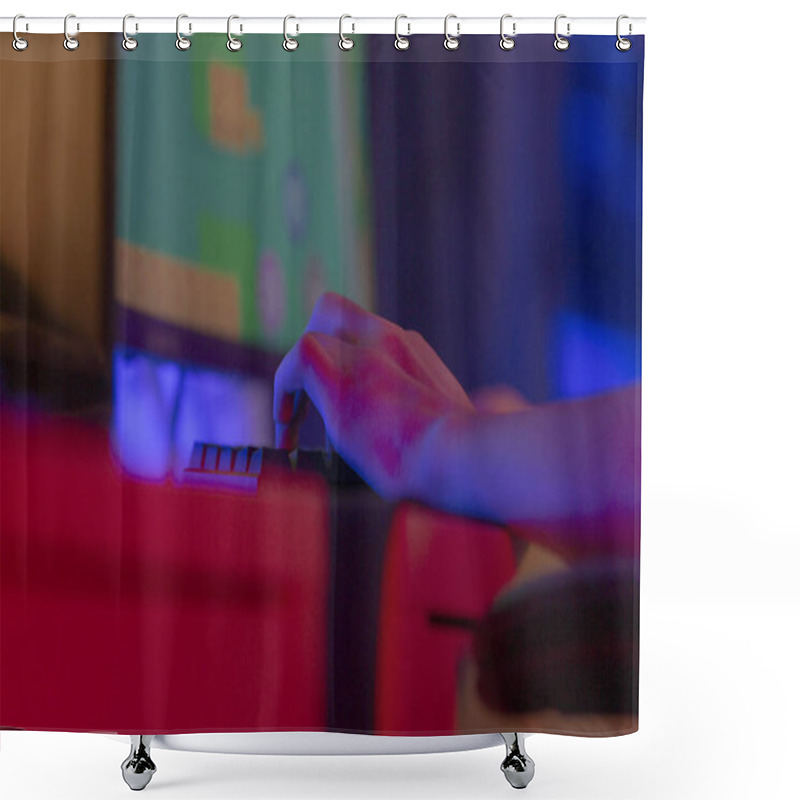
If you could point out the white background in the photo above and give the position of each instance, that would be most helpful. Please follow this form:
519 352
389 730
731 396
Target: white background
720 613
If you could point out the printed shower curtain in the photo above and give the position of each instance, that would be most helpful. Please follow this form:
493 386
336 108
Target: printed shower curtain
320 386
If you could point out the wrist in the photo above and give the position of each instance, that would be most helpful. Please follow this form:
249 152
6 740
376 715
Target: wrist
443 456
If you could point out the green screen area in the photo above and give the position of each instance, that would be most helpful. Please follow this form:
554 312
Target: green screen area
249 171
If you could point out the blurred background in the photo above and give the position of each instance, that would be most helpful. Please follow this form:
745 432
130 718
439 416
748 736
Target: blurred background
169 220
718 473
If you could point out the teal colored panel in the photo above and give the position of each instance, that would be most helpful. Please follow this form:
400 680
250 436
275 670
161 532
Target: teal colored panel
211 143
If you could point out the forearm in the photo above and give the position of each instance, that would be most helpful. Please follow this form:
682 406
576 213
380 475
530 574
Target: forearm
568 461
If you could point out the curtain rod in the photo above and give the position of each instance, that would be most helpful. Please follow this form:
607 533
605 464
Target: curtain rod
300 25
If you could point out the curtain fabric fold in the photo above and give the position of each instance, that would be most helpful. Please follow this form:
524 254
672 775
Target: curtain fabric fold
320 386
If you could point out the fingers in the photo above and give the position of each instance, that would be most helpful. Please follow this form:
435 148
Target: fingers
436 370
291 375
338 316
312 369
287 434
340 336
315 356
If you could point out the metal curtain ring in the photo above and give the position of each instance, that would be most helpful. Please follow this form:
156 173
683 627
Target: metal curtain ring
451 42
400 42
289 43
181 42
561 43
506 42
18 43
70 42
623 44
128 42
344 42
234 44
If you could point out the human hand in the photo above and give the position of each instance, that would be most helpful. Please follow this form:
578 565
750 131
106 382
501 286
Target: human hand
397 415
379 388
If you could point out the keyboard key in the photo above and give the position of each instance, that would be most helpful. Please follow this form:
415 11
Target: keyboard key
196 461
241 459
235 461
211 458
225 463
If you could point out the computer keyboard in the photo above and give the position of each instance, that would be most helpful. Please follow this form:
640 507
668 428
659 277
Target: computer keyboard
243 467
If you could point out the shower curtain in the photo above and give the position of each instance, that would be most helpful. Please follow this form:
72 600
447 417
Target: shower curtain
320 385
